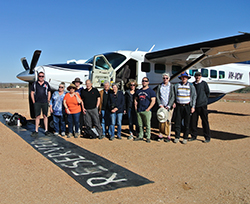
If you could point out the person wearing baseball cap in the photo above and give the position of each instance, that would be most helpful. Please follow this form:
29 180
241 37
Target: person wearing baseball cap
203 92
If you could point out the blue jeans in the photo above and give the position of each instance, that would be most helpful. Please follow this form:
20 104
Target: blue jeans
113 117
59 119
132 119
105 121
74 119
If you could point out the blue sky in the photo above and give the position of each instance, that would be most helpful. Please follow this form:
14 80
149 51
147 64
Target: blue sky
79 29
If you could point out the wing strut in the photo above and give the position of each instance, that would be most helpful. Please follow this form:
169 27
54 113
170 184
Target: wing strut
197 60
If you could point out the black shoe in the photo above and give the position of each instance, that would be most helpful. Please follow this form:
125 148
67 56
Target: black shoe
192 139
47 133
138 139
34 134
167 140
206 141
101 137
148 140
119 138
111 138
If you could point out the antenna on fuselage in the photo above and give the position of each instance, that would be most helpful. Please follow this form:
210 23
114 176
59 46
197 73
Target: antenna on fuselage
243 32
136 49
151 48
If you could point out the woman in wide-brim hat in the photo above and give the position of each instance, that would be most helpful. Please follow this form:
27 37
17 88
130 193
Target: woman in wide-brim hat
72 103
71 86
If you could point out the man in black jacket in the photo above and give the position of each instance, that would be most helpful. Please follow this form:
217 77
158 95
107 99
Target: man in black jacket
203 92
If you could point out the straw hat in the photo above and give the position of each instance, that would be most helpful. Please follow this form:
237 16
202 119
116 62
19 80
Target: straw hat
162 115
71 85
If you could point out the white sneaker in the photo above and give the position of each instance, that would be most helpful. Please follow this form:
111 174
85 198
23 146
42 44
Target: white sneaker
56 133
176 140
184 141
63 134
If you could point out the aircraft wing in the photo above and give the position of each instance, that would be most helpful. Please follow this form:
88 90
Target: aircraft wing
210 53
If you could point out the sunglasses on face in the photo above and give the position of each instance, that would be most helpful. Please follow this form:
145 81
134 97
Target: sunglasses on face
71 88
40 76
132 84
61 87
144 81
165 77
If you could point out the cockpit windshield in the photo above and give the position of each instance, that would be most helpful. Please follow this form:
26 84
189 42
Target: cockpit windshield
115 59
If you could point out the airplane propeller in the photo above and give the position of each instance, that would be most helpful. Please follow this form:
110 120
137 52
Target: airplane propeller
34 61
31 68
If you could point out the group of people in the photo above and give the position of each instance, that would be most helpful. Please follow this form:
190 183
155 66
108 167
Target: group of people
101 110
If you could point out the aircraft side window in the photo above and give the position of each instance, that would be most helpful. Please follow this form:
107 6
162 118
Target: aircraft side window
145 67
101 64
192 71
213 73
176 69
204 72
160 68
221 74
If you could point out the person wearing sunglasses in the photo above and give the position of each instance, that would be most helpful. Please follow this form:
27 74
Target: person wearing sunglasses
73 103
40 96
130 107
165 96
144 102
58 110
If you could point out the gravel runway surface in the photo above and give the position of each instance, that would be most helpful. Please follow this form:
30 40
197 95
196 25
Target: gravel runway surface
217 172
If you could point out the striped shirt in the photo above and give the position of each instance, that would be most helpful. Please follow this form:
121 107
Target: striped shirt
165 90
183 93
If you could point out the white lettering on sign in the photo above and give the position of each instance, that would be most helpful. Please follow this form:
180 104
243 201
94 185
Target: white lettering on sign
68 159
49 146
79 161
106 180
68 153
235 75
45 145
90 170
49 149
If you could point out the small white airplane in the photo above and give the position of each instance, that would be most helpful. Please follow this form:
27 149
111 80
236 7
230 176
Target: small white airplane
223 63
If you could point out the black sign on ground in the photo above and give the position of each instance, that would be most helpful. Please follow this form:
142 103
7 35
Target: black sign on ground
92 171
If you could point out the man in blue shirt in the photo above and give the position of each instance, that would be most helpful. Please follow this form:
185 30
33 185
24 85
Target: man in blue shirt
40 95
144 102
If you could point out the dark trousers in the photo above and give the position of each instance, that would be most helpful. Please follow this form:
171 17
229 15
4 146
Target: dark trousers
91 118
202 112
182 112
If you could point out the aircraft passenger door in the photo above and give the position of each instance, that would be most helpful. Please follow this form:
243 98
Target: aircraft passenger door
102 71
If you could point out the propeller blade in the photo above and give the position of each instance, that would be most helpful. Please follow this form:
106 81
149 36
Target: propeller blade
34 61
31 105
25 63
